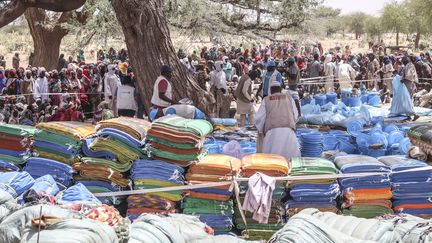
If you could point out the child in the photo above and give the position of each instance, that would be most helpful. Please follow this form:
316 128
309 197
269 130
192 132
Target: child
102 113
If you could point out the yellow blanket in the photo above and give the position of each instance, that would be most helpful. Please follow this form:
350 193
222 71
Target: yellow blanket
77 130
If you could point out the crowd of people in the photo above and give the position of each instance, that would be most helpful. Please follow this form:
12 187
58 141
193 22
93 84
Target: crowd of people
76 90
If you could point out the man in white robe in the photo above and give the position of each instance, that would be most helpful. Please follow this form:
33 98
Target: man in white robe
276 119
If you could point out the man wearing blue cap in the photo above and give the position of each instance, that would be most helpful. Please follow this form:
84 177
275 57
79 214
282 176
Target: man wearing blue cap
270 76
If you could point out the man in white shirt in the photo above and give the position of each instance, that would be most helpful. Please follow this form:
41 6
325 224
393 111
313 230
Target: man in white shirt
40 90
111 82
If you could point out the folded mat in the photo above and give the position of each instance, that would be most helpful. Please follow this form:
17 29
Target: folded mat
269 164
62 173
77 130
100 172
198 127
312 166
57 138
120 135
98 154
17 130
216 164
137 128
340 161
181 158
315 192
201 206
108 163
49 146
15 183
123 152
149 201
158 170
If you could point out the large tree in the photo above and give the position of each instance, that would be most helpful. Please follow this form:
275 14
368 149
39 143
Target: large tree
395 18
419 18
357 23
12 9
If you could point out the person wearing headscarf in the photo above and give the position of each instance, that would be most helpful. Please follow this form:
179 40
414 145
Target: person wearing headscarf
245 98
126 98
345 73
111 83
27 86
2 79
387 70
13 83
55 87
219 89
329 73
40 90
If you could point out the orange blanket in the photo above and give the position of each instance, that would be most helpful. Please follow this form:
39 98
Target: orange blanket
368 194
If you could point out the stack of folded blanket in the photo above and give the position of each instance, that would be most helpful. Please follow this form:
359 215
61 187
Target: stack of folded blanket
367 196
412 190
61 141
224 124
421 136
61 172
150 174
16 141
214 205
111 142
271 165
102 170
178 140
137 128
320 193
97 186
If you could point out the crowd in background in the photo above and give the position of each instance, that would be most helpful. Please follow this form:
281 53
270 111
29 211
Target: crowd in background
76 90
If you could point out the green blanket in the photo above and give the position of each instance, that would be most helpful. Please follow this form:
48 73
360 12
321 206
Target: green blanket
366 211
203 206
17 130
312 166
177 157
198 127
171 144
12 159
60 139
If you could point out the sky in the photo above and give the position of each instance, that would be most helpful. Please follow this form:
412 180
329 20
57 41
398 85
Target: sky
372 7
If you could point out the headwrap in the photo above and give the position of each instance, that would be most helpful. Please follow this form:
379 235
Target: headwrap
111 69
123 67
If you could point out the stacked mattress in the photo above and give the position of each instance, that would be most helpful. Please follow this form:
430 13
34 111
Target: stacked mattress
321 194
412 190
271 165
367 196
61 141
149 174
213 206
178 140
16 141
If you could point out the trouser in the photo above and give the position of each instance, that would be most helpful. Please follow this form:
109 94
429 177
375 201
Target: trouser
259 143
389 84
243 119
410 86
126 112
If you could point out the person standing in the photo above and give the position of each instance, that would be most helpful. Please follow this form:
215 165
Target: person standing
409 75
126 98
111 82
293 73
163 93
345 73
314 72
62 63
270 76
276 120
227 68
329 73
387 70
219 89
245 98
16 61
40 90
27 86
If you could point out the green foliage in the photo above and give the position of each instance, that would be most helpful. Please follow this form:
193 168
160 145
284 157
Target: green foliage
357 23
373 27
395 17
97 25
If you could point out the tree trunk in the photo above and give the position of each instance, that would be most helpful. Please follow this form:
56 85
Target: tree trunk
417 40
148 40
46 38
397 38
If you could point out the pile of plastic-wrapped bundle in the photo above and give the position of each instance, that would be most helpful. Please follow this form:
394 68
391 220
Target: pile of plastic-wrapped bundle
270 165
61 141
311 225
149 174
178 140
367 196
421 136
214 206
321 194
411 189
62 173
15 145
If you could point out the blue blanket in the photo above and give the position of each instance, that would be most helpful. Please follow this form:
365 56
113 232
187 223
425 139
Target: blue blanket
98 154
126 138
62 173
15 183
79 193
